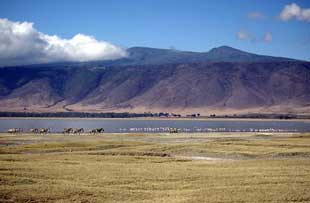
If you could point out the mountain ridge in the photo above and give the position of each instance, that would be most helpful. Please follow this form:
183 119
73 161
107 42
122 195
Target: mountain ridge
151 56
223 79
205 87
147 55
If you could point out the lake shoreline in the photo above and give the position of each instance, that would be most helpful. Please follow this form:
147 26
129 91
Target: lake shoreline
156 125
156 119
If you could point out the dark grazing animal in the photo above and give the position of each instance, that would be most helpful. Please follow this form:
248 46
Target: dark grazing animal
97 130
34 130
67 131
78 130
44 130
173 130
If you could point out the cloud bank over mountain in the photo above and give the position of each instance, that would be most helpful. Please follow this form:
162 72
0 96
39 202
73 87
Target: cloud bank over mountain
21 43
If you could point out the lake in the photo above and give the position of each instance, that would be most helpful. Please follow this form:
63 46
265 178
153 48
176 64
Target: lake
140 125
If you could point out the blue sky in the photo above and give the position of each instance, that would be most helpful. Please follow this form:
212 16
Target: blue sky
194 25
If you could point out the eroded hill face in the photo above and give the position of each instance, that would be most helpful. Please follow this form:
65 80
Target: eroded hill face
205 87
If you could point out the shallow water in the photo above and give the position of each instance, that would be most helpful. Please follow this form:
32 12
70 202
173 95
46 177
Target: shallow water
123 125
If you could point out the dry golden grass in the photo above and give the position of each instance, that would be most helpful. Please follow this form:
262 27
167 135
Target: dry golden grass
146 168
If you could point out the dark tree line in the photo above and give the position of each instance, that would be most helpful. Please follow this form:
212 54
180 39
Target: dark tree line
75 114
146 114
87 115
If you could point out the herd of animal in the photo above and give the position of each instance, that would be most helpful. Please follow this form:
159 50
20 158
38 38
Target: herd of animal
69 131
48 130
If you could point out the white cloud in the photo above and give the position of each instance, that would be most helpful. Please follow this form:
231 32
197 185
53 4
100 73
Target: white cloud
21 43
268 37
294 11
256 15
243 35
246 36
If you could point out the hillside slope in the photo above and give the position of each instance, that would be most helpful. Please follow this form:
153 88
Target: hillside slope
184 87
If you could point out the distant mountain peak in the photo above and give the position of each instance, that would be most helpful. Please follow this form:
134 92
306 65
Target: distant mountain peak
225 47
227 50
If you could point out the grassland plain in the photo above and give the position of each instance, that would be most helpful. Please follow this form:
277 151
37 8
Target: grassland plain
211 167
